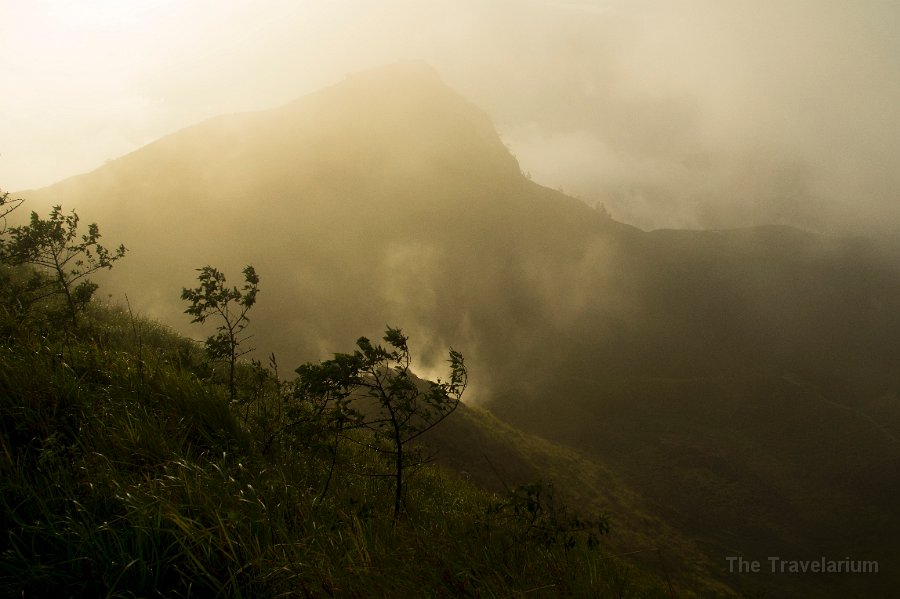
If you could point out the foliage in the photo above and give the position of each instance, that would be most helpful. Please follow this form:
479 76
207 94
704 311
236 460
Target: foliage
392 404
123 474
6 206
541 517
55 245
213 298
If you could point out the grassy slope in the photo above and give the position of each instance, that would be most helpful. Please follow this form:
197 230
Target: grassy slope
497 456
124 473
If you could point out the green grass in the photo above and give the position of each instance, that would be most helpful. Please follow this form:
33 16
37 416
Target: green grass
126 472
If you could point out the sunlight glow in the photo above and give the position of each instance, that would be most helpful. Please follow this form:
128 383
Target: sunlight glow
100 13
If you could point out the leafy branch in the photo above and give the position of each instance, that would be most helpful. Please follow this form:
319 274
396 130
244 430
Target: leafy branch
55 245
6 206
393 405
213 298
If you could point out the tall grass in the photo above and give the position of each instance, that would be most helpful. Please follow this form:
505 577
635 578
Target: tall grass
126 472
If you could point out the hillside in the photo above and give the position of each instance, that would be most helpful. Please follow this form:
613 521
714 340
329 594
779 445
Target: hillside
125 471
495 456
743 381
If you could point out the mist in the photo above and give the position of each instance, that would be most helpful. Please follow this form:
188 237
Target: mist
707 115
570 194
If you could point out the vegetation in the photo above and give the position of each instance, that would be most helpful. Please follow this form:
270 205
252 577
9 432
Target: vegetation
126 471
122 473
399 412
56 246
7 205
230 306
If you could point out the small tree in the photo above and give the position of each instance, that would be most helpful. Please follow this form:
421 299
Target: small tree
10 294
397 407
6 206
213 298
55 245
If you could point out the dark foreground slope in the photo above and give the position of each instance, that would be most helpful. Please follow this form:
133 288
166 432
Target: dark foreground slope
744 381
125 472
498 457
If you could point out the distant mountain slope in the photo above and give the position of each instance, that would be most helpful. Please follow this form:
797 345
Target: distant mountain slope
746 381
498 457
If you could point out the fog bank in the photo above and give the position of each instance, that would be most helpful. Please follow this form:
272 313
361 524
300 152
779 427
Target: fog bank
702 115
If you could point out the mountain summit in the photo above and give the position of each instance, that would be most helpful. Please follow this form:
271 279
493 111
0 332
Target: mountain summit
398 122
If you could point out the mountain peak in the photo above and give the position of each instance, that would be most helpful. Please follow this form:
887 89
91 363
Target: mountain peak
397 122
402 116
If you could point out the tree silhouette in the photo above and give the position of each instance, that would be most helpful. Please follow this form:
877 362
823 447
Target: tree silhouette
213 298
55 245
6 206
395 406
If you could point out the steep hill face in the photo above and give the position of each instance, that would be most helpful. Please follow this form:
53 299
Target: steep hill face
745 381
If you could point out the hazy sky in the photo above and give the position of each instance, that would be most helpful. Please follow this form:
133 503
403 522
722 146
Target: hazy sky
691 113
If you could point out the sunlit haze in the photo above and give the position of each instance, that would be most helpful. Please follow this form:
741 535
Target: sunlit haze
700 114
647 253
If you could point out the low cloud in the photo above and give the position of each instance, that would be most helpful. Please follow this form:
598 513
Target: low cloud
704 114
